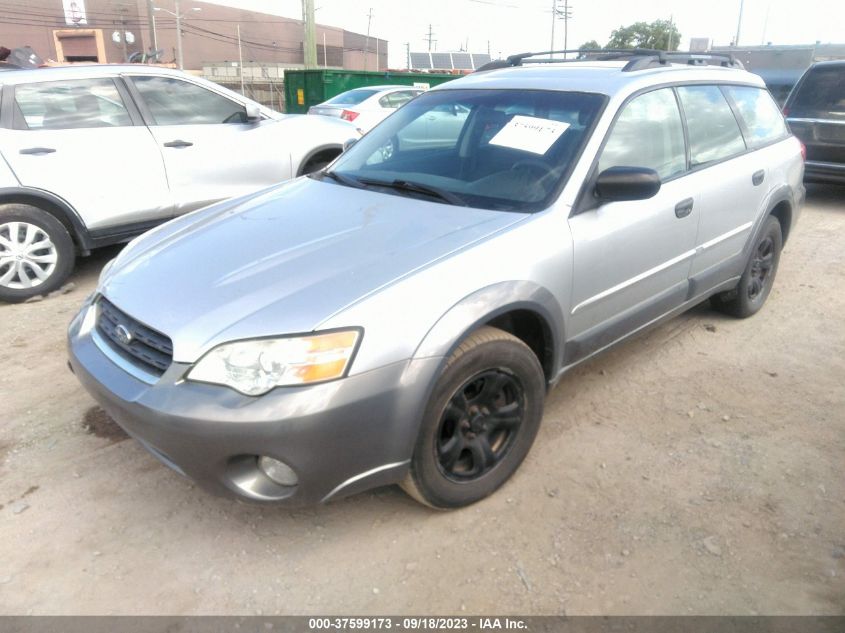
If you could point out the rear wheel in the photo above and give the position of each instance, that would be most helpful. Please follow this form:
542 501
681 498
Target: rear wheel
480 421
759 276
36 252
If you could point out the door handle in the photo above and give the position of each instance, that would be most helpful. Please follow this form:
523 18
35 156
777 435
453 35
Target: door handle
178 143
758 177
684 208
37 151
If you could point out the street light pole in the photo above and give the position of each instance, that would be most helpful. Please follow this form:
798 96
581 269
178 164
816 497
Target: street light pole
738 24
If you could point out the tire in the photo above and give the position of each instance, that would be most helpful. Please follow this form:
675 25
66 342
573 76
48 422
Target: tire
759 276
491 375
25 271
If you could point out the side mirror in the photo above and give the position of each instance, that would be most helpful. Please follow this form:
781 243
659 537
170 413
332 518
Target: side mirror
349 143
627 183
253 113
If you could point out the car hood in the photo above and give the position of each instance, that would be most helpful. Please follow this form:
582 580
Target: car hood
283 261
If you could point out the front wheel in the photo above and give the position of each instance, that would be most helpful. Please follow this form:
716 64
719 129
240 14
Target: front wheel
36 252
759 276
480 422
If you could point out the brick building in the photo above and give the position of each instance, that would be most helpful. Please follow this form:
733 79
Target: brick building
112 30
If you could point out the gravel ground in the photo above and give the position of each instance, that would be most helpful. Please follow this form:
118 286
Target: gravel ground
695 469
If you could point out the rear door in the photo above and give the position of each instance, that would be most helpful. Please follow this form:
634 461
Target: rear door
82 140
210 151
632 259
734 178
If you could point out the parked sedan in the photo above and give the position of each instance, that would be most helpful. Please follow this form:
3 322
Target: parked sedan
95 155
365 107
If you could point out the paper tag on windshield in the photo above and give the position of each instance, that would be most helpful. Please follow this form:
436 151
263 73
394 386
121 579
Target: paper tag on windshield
530 134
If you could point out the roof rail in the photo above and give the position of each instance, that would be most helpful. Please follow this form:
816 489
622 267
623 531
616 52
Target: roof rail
640 58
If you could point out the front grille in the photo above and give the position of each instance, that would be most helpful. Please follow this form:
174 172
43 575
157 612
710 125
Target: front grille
150 350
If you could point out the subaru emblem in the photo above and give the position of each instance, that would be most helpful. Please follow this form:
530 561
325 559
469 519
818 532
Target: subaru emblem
123 334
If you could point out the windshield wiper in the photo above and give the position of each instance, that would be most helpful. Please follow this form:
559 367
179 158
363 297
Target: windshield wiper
416 187
344 180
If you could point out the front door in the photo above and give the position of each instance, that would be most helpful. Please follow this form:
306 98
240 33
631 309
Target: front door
632 259
210 151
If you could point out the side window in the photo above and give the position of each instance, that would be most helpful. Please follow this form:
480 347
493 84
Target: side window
397 99
760 114
72 104
714 133
176 102
648 133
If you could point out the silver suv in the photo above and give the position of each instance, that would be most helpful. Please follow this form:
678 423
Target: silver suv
95 155
399 316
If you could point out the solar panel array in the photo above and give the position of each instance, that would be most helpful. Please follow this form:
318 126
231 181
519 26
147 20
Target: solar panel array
448 61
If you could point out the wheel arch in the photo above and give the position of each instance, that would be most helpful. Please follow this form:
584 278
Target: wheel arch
521 308
331 150
55 206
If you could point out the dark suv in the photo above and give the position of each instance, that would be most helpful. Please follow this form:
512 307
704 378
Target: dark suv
815 110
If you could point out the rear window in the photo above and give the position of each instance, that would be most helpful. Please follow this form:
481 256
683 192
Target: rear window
352 97
820 94
762 118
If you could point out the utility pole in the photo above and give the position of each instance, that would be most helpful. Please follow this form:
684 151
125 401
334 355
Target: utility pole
180 60
554 18
408 55
739 23
325 52
430 37
564 13
151 23
367 41
309 43
123 34
241 58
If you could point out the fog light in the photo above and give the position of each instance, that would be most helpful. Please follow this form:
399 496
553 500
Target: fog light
278 471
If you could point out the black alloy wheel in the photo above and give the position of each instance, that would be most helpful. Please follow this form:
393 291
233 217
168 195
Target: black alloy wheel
479 425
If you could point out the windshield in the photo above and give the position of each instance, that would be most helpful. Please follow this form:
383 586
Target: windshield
352 97
495 149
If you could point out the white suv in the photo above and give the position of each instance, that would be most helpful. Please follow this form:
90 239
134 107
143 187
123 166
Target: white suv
95 155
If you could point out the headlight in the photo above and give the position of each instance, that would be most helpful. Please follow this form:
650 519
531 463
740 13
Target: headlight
256 366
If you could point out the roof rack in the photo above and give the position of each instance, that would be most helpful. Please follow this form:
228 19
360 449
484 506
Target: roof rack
639 58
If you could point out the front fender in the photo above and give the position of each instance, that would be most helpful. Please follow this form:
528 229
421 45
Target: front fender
485 305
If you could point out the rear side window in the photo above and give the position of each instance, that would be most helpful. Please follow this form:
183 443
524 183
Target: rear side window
67 105
352 97
648 133
821 94
762 118
397 99
714 133
176 102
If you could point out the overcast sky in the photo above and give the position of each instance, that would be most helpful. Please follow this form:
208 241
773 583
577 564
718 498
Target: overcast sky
520 25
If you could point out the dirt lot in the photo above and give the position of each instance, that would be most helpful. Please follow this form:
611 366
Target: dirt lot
696 469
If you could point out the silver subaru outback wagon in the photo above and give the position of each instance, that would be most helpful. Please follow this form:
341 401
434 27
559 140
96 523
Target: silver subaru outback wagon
399 316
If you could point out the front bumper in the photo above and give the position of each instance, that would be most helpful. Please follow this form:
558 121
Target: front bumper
339 437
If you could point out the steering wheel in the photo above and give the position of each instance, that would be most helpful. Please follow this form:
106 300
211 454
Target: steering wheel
533 164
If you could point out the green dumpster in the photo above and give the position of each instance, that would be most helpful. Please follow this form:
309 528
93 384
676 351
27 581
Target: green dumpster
304 88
